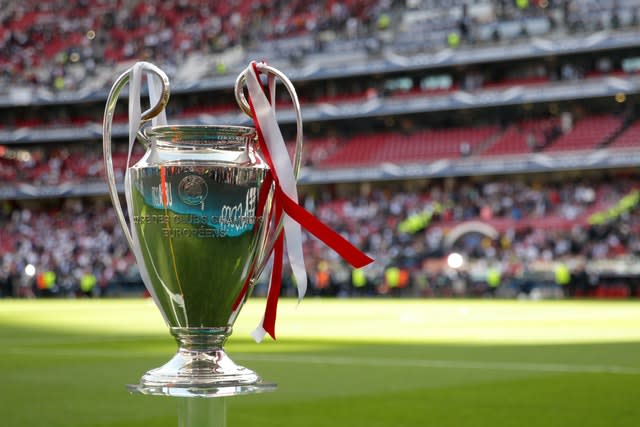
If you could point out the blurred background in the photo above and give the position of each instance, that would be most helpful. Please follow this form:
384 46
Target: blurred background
486 153
504 132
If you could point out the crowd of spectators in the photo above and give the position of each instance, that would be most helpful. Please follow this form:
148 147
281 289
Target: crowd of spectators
70 240
538 223
61 44
60 164
73 238
41 41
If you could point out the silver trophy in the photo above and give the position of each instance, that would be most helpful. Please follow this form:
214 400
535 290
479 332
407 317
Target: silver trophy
199 206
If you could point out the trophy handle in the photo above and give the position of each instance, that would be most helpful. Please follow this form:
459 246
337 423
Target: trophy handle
297 160
106 132
244 106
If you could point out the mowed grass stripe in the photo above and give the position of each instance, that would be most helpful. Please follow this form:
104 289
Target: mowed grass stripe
445 364
333 360
375 320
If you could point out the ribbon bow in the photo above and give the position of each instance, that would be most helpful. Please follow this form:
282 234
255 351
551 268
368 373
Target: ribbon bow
285 204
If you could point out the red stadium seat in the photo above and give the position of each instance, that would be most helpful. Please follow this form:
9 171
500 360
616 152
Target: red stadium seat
587 134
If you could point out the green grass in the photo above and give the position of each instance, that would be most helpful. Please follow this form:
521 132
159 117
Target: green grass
339 363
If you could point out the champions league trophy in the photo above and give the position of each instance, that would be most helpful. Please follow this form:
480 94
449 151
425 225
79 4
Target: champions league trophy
204 218
199 209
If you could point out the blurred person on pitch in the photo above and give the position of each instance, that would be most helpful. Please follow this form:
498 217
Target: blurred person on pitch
88 282
494 279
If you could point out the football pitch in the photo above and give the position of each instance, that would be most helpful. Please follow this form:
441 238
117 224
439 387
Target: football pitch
351 363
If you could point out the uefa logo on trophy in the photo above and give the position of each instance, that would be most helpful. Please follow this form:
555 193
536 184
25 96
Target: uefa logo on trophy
207 206
193 190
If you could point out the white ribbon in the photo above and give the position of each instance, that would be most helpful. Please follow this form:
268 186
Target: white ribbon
135 120
266 118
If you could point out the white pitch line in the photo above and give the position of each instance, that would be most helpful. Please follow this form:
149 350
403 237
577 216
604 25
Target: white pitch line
445 364
350 361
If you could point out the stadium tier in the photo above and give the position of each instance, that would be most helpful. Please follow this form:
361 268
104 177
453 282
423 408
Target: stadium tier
629 138
506 131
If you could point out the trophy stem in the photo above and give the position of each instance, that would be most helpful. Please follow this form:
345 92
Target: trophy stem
200 339
201 368
202 412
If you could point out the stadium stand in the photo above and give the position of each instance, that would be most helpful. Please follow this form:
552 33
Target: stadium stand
630 138
422 146
497 96
523 137
587 134
536 222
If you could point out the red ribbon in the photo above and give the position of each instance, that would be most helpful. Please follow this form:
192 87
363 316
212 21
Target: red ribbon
262 200
269 322
284 204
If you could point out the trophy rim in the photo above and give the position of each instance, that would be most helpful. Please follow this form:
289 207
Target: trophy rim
225 137
169 130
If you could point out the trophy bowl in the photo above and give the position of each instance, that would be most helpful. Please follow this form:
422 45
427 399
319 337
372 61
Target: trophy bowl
193 202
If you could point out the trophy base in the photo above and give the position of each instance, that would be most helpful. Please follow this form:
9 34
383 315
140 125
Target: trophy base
193 391
195 371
